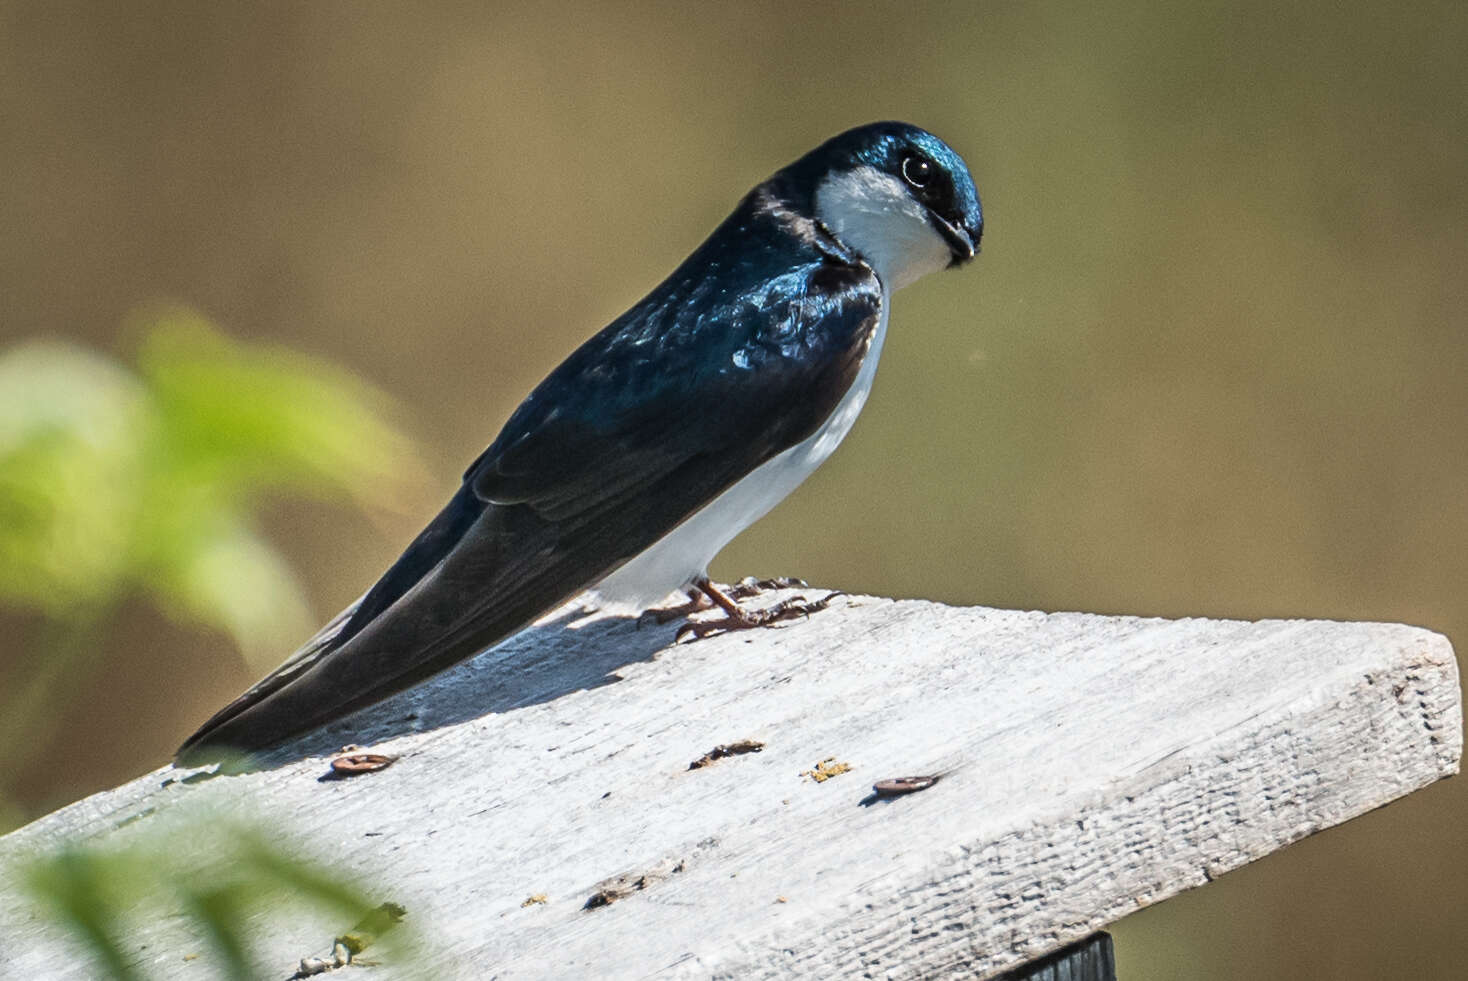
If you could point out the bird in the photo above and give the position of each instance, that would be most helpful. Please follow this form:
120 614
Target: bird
658 440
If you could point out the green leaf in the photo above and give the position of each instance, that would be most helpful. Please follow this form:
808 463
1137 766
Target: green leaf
99 896
257 417
85 893
114 484
72 428
221 911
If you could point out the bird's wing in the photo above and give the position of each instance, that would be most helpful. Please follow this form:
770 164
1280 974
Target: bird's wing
648 421
723 387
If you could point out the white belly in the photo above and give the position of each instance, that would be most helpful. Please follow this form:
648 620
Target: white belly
684 553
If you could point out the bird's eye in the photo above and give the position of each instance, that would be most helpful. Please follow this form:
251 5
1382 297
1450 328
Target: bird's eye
916 170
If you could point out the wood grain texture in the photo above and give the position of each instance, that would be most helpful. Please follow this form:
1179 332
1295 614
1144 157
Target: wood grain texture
1091 766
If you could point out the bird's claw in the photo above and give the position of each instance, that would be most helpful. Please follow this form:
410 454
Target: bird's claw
750 586
666 614
794 608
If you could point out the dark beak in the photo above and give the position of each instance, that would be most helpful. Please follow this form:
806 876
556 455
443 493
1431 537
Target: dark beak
961 242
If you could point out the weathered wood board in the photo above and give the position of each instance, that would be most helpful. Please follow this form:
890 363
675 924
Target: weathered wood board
1091 765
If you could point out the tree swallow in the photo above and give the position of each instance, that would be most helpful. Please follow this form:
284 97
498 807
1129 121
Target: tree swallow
659 439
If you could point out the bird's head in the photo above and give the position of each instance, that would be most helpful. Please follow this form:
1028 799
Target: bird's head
896 195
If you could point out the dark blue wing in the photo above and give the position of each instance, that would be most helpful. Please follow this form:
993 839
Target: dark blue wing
678 392
722 382
741 354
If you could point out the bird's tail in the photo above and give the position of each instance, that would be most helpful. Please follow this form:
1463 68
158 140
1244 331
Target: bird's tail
201 746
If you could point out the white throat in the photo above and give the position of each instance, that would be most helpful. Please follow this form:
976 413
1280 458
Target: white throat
874 214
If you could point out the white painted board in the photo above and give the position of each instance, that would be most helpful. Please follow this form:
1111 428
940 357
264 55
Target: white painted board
1092 765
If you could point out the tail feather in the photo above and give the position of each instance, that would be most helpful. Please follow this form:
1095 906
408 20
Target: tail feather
501 574
323 643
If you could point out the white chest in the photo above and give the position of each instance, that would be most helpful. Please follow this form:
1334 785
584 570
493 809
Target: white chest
683 554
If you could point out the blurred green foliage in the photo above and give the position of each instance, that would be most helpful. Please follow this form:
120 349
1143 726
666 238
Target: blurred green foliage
117 483
95 895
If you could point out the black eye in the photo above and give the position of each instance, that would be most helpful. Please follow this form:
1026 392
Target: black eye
916 170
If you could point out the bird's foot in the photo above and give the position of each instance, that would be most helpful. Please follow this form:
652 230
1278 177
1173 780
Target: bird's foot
750 586
738 618
665 614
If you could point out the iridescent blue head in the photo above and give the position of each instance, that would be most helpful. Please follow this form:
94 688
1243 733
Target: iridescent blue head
897 195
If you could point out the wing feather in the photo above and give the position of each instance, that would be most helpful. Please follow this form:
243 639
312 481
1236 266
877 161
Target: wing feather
648 421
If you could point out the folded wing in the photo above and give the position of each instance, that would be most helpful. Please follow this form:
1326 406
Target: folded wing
645 423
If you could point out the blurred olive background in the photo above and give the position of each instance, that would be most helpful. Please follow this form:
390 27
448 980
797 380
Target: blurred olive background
1211 361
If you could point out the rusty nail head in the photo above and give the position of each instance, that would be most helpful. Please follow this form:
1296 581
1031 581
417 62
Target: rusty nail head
897 786
361 763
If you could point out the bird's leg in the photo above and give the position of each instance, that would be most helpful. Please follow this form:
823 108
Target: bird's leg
738 618
663 614
750 586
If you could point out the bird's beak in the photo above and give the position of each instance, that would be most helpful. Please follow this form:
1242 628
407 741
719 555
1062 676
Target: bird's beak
961 242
